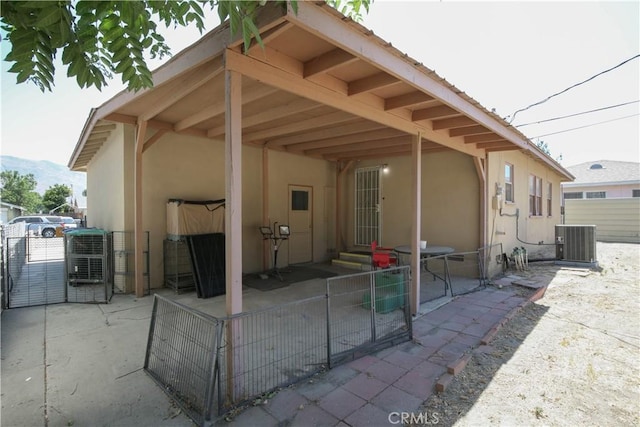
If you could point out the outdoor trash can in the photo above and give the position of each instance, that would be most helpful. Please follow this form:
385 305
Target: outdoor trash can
389 292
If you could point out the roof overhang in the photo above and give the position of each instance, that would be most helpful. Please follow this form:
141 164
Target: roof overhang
321 86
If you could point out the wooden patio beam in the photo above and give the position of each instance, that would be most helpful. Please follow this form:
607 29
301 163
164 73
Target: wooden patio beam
347 139
326 133
368 145
179 88
370 83
233 230
259 91
416 214
295 106
327 26
473 139
433 113
469 130
327 62
356 154
103 127
153 139
200 52
494 144
138 238
300 126
406 100
269 74
453 122
503 148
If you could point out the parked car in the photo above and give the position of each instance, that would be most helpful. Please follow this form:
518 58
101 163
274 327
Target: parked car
68 222
46 225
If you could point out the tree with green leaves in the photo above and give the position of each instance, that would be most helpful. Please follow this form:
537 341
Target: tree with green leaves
56 198
544 147
100 38
19 190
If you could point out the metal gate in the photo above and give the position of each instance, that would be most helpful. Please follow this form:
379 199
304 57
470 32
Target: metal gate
367 206
35 271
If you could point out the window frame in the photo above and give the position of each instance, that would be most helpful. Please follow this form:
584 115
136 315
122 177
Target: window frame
509 193
535 196
549 199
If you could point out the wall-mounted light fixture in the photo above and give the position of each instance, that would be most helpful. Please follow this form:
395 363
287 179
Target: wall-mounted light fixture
385 168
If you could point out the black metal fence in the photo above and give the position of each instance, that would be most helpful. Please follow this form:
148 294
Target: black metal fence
211 365
271 348
367 311
123 261
181 356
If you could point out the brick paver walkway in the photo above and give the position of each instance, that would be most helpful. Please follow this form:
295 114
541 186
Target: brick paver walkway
399 379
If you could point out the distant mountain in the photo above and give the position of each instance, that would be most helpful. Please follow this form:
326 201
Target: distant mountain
47 174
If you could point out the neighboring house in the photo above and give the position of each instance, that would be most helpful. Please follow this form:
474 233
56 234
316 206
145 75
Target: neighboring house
605 193
603 179
299 131
9 211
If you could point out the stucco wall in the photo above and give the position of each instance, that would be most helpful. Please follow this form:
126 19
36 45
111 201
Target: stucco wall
532 230
106 183
192 168
288 169
450 201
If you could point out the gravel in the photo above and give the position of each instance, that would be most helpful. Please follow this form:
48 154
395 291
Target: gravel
571 358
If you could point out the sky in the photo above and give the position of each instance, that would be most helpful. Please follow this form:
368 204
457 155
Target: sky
505 55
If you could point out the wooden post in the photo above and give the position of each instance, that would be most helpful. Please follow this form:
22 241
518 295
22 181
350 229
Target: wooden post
266 244
233 227
141 131
416 205
480 165
340 172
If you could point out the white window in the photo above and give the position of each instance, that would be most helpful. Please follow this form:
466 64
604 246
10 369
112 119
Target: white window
549 198
596 194
508 183
573 195
535 196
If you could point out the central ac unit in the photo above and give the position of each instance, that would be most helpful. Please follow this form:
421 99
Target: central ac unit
576 243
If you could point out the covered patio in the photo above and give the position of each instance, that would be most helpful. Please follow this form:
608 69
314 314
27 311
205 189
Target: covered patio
322 87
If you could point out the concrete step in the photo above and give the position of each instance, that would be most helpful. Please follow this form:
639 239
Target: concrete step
354 265
361 258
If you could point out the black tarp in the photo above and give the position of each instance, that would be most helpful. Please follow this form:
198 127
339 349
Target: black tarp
208 261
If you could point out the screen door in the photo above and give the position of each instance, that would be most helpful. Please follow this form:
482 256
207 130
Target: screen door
367 205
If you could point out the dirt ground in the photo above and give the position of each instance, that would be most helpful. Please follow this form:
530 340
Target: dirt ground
572 358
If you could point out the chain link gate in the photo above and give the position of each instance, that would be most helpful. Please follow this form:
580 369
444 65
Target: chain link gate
35 271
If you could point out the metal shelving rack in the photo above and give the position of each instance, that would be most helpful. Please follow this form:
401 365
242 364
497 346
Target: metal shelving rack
178 271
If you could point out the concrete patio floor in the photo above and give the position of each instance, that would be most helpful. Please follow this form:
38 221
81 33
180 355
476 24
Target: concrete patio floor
81 364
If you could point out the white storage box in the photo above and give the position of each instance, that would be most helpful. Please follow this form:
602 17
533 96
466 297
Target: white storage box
189 217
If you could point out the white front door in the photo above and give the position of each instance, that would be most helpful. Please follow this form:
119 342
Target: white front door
300 224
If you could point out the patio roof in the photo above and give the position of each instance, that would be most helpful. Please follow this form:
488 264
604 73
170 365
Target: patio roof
322 86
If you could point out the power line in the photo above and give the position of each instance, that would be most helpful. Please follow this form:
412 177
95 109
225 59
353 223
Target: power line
571 87
577 114
586 126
